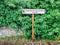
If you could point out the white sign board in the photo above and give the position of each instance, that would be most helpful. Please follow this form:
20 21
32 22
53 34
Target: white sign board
33 11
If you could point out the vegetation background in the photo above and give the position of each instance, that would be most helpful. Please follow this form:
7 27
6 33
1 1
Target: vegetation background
47 26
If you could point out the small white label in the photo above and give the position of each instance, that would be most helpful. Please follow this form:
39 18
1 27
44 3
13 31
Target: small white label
33 11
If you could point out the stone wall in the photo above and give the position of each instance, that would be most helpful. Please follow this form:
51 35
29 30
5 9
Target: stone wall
7 31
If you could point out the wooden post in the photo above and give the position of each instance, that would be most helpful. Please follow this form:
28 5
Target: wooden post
32 27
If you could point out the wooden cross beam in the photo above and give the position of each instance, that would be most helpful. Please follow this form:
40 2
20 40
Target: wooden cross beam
33 11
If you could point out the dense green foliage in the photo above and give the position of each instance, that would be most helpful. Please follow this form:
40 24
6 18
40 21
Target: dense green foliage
47 26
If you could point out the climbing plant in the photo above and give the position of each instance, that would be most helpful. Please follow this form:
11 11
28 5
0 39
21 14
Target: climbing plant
47 26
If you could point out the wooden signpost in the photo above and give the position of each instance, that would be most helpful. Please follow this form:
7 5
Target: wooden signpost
33 11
